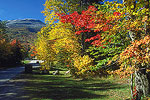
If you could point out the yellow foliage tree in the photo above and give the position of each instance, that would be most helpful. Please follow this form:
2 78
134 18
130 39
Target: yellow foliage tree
82 65
66 43
57 6
45 49
57 40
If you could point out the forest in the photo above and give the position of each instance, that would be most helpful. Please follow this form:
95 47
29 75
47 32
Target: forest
12 52
92 38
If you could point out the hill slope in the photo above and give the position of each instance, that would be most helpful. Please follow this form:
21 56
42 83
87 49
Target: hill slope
24 29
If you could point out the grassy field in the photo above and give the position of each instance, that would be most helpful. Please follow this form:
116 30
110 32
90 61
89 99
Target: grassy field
64 87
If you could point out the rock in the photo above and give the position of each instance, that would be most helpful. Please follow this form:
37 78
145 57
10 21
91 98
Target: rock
67 72
56 72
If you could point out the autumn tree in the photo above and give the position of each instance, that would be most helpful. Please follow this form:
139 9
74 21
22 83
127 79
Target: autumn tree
99 27
139 17
128 21
11 51
52 7
44 50
108 28
57 37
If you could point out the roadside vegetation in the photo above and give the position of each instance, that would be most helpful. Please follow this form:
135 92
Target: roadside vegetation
26 61
65 87
90 39
11 51
93 39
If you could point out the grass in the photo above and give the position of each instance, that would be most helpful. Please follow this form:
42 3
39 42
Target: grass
64 87
25 61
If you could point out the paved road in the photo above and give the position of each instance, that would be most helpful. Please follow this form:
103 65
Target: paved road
6 87
9 89
7 74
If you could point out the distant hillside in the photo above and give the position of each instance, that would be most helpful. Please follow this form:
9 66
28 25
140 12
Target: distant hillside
28 23
24 29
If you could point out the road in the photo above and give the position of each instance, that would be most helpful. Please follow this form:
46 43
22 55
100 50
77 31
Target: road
7 74
7 88
10 88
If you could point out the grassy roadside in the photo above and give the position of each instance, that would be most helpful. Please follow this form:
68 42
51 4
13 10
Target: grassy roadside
64 87
26 61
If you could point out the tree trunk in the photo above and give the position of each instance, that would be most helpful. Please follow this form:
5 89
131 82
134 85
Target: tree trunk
141 83
83 43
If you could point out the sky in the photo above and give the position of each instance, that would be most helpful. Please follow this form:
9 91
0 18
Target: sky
21 9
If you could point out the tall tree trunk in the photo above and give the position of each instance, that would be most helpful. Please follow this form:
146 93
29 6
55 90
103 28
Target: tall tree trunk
141 83
83 43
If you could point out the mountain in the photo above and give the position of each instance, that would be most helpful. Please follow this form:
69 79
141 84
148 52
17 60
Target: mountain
25 23
32 23
23 29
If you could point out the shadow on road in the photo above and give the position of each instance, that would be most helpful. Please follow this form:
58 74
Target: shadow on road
58 87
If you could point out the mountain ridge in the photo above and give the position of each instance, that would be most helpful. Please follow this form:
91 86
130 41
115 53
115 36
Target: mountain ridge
31 23
24 30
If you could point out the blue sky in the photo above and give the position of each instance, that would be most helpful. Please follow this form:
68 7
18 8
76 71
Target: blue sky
21 9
